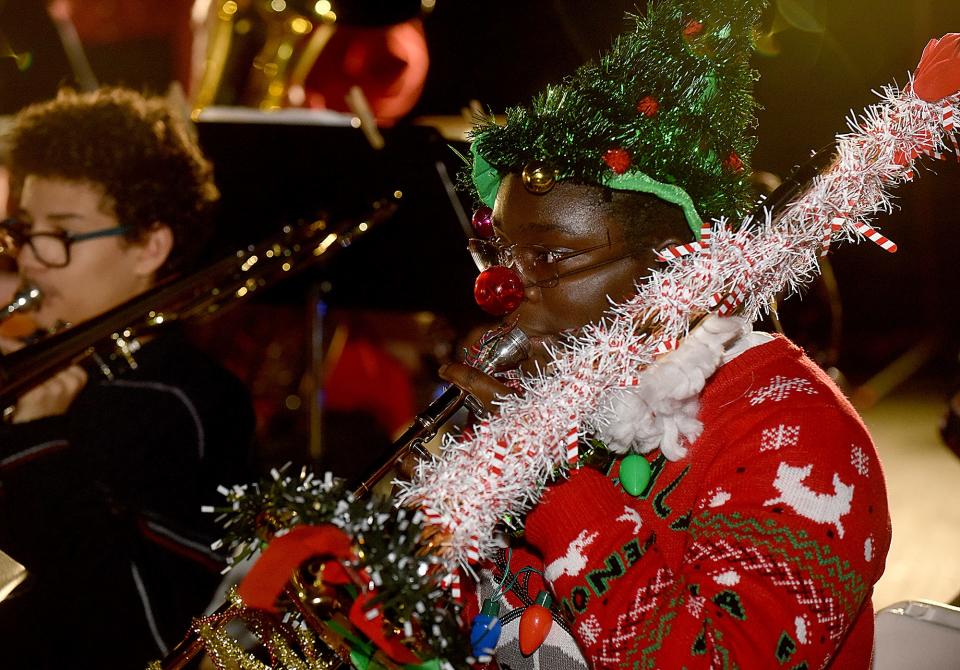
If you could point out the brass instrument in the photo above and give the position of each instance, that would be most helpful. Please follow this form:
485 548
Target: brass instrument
111 340
504 353
290 38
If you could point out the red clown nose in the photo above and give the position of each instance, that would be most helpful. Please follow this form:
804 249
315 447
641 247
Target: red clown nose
498 290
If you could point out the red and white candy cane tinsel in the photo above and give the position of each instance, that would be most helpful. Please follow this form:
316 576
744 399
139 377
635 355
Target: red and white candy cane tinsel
474 483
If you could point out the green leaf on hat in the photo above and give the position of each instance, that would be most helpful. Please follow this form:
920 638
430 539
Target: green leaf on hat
486 178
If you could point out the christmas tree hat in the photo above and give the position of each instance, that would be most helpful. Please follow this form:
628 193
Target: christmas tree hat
668 110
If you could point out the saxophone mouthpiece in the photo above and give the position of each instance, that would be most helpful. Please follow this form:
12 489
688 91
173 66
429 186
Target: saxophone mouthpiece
506 352
26 299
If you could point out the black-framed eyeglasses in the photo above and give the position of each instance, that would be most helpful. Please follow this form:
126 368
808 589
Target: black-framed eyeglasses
537 264
49 248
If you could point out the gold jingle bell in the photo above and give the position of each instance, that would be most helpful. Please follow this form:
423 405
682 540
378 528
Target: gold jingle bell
538 177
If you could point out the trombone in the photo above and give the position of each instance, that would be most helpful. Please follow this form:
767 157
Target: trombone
110 341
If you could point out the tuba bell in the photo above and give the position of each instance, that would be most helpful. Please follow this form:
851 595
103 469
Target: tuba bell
259 52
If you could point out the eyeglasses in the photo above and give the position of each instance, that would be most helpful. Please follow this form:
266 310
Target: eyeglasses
49 248
537 264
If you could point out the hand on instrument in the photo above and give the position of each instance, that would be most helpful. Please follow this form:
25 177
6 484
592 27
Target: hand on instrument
51 398
483 387
9 345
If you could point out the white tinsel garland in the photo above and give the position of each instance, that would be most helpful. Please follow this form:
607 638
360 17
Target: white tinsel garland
501 468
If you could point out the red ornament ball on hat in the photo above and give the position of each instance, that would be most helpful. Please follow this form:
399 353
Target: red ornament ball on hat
618 160
498 290
648 106
693 29
732 162
482 222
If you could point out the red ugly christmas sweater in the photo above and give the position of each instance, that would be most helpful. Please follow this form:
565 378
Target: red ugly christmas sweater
760 549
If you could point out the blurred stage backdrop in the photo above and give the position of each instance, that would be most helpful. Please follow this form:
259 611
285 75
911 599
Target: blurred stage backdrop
345 356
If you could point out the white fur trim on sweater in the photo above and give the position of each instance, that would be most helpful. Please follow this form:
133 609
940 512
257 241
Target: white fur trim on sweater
660 412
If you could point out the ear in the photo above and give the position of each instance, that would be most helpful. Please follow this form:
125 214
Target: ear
153 249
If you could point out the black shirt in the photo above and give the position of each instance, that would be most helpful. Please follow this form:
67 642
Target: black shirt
102 505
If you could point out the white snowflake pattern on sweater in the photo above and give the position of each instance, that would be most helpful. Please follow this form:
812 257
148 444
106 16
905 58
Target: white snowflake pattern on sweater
774 439
781 388
860 461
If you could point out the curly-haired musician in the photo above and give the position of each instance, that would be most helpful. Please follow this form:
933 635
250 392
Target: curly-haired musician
103 480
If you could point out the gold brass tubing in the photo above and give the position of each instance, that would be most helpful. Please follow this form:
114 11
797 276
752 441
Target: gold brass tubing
329 642
274 71
217 54
311 52
285 30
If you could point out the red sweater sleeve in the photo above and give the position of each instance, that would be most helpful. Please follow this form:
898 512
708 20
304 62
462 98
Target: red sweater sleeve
759 550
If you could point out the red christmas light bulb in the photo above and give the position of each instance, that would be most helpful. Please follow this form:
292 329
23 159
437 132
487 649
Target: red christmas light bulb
498 290
535 624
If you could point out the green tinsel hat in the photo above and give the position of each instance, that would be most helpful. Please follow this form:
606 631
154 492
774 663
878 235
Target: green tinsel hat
668 110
